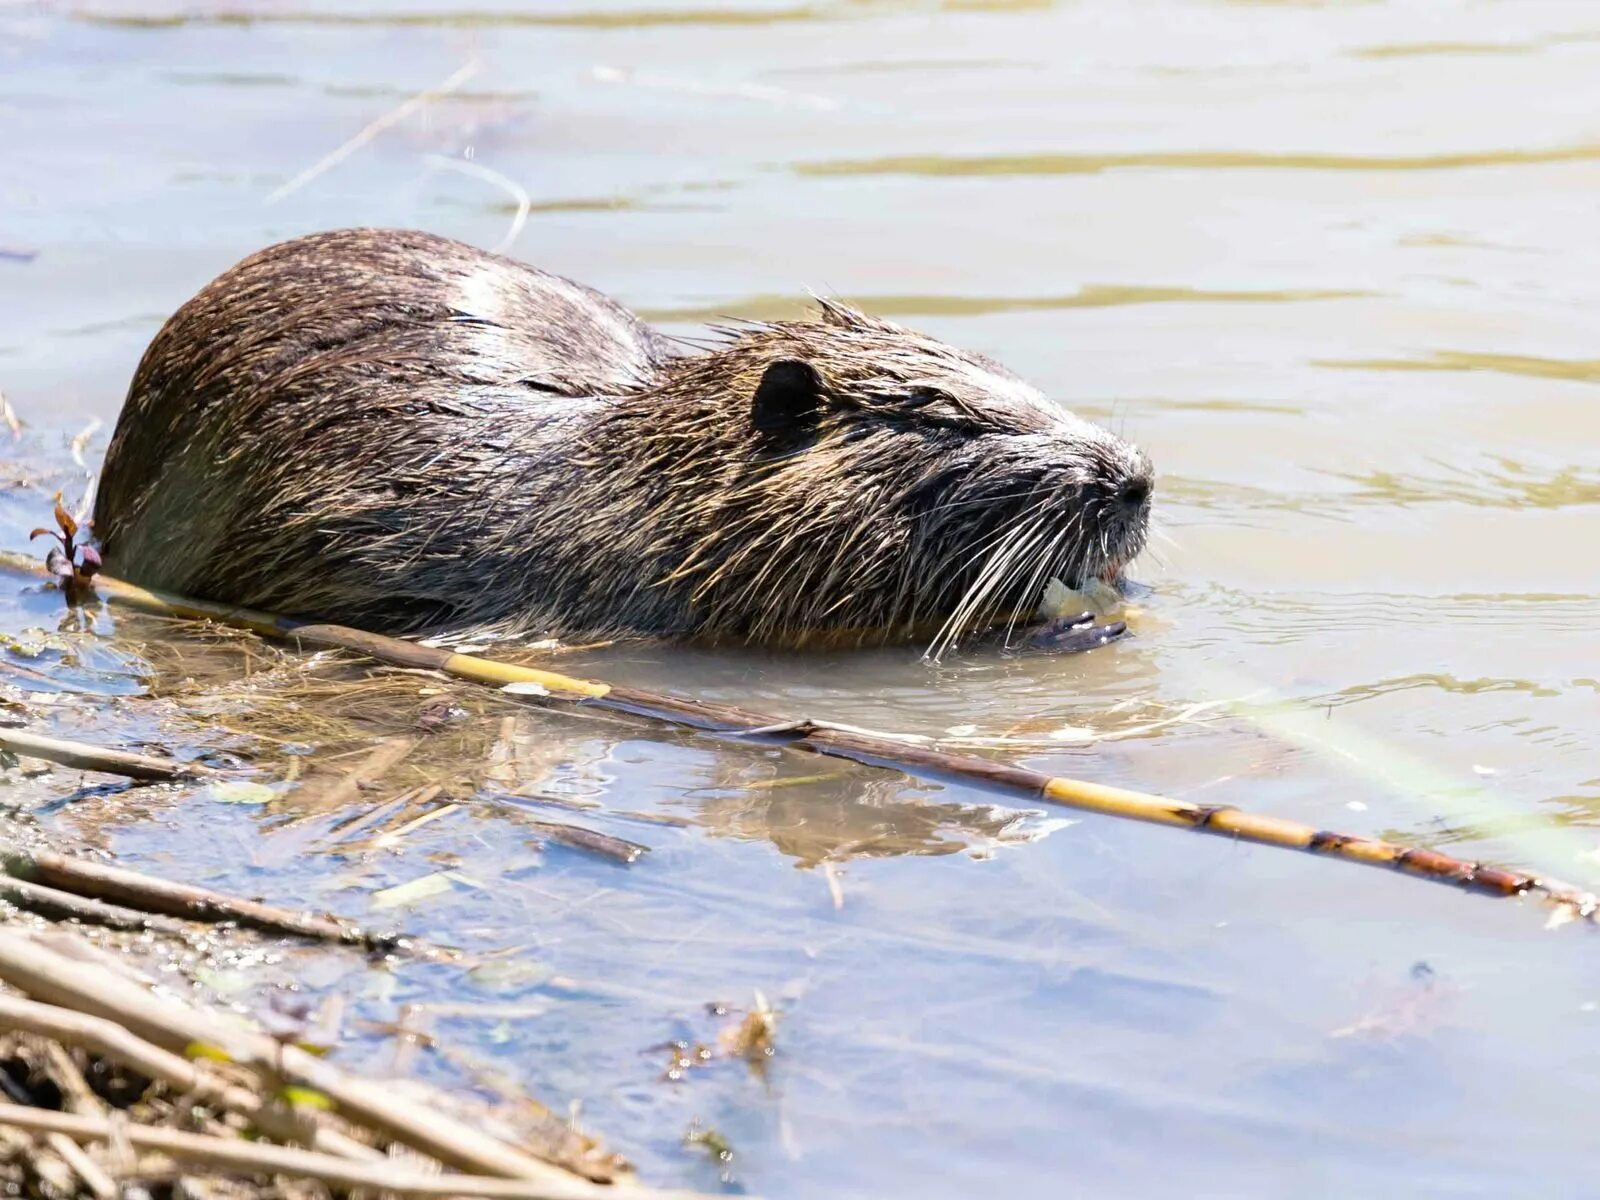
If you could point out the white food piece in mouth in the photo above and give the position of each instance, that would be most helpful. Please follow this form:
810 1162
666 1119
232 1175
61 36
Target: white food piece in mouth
1061 601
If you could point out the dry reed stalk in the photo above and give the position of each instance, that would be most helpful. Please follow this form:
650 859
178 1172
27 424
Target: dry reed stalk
94 1176
58 905
87 757
393 837
873 749
80 443
124 890
518 194
341 838
79 1098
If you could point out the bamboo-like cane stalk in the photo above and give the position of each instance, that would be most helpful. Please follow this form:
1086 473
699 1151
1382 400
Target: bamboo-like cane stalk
874 749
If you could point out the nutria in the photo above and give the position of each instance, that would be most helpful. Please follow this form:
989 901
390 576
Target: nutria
401 432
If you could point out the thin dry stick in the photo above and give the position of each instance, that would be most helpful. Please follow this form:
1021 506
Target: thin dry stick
52 978
338 1173
58 905
342 836
87 757
873 749
148 894
392 117
77 1095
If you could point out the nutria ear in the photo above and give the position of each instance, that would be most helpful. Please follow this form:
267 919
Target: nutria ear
788 399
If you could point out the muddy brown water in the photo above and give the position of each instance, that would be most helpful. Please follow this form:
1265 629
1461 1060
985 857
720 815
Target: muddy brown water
1334 265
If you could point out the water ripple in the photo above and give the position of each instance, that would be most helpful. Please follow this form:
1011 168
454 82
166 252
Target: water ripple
767 307
1249 160
629 19
1583 370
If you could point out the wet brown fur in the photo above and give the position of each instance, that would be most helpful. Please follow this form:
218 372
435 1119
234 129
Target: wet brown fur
400 432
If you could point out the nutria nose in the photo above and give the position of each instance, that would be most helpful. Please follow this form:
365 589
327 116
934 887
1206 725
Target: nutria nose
1134 492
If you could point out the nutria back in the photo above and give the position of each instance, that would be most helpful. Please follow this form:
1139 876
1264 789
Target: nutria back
286 420
398 431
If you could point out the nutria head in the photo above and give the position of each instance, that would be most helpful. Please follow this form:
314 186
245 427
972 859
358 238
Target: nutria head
848 479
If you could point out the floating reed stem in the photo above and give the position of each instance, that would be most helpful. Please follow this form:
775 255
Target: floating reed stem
875 749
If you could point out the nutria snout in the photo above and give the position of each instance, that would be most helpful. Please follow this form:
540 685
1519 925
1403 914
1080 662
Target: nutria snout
398 431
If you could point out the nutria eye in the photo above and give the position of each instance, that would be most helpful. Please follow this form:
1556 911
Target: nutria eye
788 401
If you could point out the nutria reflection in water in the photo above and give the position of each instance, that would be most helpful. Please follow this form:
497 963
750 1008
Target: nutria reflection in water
314 722
400 432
